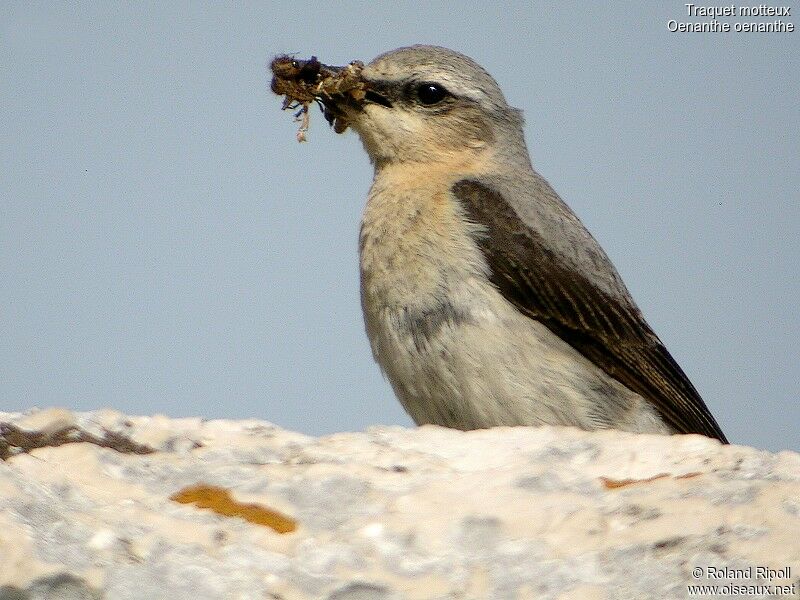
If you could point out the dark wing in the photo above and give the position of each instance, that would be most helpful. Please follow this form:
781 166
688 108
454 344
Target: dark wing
609 331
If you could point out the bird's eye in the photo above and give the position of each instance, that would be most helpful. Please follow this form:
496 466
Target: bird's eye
431 93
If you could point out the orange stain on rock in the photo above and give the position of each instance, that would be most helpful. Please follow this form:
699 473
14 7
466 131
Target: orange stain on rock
220 501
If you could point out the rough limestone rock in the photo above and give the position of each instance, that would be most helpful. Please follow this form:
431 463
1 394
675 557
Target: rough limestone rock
106 505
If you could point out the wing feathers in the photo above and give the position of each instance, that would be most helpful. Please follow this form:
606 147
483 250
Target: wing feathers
608 330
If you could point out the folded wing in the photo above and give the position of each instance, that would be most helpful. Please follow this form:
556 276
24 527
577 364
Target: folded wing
606 328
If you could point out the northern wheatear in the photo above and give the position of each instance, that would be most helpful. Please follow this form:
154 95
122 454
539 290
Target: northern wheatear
486 300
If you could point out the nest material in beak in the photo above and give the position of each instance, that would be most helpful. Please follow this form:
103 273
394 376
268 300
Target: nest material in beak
302 82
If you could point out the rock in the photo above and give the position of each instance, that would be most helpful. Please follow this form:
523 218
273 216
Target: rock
389 514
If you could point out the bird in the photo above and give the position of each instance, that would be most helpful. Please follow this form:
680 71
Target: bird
486 300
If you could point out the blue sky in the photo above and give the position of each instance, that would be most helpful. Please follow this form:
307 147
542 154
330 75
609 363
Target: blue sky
167 247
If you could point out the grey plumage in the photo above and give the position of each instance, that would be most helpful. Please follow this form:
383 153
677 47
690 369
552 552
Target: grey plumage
486 301
609 330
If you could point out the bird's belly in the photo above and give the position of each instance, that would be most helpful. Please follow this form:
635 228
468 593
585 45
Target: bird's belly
474 361
456 352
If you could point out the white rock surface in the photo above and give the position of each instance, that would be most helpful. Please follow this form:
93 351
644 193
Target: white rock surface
392 513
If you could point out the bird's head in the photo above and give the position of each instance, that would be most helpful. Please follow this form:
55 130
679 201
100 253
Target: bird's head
423 104
418 104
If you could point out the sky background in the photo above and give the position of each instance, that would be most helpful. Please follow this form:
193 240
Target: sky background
166 246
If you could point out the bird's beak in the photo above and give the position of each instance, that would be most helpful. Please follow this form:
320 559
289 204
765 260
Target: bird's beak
341 92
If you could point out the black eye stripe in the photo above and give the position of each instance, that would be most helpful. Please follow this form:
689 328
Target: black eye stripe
377 98
388 92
